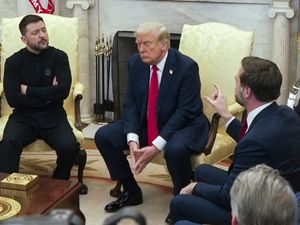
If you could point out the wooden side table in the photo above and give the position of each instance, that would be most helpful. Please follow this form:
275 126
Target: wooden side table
46 195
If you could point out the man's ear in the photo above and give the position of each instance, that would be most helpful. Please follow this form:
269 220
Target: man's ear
23 38
247 92
233 219
164 46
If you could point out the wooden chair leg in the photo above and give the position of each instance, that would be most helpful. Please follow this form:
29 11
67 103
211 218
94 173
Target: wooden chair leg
116 191
81 160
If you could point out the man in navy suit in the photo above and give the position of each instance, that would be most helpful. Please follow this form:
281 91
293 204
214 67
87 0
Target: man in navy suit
272 137
260 195
182 126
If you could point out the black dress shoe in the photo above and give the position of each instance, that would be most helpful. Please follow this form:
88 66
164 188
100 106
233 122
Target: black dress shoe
168 219
125 199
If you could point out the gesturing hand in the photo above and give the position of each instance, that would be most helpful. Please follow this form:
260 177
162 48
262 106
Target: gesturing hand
219 103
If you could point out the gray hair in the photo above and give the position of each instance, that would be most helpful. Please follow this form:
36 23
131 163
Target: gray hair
260 196
158 28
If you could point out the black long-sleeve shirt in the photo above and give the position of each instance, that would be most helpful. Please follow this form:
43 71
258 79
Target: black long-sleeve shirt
37 71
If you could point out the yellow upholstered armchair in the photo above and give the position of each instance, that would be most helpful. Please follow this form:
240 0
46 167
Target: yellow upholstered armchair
218 49
63 34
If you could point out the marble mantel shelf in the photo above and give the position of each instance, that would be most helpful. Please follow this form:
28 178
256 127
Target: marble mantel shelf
257 2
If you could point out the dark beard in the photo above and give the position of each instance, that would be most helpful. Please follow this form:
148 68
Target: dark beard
239 100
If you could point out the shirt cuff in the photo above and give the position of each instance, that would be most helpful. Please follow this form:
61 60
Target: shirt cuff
229 121
159 143
132 137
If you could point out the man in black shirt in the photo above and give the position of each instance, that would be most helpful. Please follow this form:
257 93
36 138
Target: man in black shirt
37 79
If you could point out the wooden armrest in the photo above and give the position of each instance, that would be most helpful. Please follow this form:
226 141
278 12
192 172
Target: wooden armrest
212 133
78 90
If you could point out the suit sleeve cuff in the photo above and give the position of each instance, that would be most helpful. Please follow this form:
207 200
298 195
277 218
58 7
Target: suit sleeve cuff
159 143
132 137
229 121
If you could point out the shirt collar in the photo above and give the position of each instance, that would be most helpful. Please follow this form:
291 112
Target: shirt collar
255 112
162 63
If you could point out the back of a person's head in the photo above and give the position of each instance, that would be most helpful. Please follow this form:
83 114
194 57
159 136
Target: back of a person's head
27 20
260 196
263 77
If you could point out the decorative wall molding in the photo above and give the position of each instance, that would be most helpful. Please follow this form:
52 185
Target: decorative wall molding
281 7
258 2
281 12
80 10
85 4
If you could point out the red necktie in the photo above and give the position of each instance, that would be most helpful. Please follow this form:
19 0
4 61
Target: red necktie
152 103
242 134
243 129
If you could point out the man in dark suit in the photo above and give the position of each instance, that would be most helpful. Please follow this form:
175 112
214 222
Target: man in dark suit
260 195
271 137
179 125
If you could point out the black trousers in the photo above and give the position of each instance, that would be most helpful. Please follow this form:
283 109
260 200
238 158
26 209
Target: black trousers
55 130
111 141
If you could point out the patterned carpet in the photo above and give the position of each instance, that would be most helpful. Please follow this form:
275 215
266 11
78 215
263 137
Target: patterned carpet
43 163
154 181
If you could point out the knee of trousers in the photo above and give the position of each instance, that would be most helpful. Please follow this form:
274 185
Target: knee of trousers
176 151
102 136
202 169
12 143
68 148
110 139
177 204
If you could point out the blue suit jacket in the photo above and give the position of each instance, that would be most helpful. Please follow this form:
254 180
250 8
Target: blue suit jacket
179 109
273 138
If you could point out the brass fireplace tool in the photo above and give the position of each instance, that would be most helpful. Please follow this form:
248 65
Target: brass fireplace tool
103 57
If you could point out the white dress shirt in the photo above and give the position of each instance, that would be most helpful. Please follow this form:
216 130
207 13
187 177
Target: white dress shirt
159 142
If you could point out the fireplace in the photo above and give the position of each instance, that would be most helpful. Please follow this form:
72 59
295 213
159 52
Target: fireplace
124 46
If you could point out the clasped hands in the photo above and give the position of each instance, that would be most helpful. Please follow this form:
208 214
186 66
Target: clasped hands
140 157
